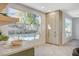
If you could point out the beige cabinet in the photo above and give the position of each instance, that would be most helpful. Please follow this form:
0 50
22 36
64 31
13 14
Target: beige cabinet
7 20
2 6
54 27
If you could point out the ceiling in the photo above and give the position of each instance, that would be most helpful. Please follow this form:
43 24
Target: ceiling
71 8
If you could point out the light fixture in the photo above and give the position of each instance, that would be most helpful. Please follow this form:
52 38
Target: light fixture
49 10
43 7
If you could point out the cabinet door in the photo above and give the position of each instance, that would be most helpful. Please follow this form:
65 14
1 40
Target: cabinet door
54 27
51 28
29 52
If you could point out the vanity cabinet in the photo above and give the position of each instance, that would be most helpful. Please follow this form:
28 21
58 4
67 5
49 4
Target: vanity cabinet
28 52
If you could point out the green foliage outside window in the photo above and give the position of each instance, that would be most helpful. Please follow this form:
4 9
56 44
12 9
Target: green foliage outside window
3 38
31 19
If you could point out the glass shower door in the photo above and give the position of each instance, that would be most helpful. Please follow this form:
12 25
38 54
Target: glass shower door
68 28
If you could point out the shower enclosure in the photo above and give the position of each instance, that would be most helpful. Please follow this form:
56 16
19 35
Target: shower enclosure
67 29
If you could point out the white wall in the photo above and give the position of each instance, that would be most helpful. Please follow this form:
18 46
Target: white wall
75 28
27 9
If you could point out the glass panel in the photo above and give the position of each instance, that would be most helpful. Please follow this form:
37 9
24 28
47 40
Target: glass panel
68 27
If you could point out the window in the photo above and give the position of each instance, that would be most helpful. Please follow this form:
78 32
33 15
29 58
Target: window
25 19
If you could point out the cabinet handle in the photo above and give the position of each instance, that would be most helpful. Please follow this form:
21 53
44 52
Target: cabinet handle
55 34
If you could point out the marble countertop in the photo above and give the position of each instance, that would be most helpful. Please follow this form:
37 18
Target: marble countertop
5 51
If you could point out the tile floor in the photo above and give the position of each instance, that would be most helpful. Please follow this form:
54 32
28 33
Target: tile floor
52 50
